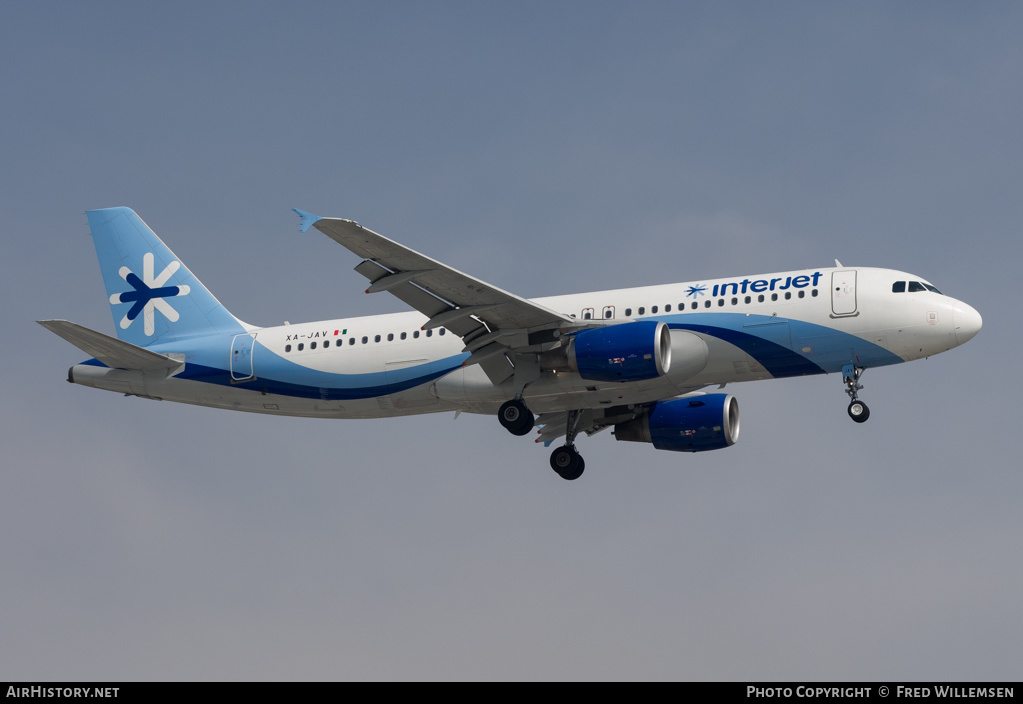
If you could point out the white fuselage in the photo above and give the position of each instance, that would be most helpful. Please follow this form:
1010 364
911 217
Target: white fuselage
758 327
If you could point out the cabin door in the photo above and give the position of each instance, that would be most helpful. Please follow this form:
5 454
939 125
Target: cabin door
843 292
241 356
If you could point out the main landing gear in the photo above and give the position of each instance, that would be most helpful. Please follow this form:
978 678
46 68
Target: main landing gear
858 410
566 460
515 417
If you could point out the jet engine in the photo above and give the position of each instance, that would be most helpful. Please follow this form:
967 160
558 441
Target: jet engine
626 352
692 424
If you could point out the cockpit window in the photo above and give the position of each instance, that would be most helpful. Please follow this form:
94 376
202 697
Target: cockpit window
914 287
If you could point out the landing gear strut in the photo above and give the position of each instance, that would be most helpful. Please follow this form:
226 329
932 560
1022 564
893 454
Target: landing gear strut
858 410
566 460
515 417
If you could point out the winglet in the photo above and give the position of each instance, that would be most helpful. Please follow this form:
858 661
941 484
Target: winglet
308 219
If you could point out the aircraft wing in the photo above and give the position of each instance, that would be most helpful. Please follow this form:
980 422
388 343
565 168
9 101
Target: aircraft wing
490 321
592 420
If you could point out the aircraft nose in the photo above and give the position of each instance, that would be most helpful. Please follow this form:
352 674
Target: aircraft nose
967 322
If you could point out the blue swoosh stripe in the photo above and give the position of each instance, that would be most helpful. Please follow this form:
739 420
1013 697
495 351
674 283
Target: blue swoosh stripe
222 377
780 361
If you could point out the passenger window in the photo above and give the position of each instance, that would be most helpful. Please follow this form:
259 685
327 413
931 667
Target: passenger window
641 310
653 310
802 293
351 340
916 286
429 333
287 348
774 296
390 337
735 301
415 334
748 299
667 308
376 338
814 293
608 313
899 287
788 295
760 298
326 344
695 305
301 346
706 304
628 312
312 345
721 302
442 331
365 339
404 335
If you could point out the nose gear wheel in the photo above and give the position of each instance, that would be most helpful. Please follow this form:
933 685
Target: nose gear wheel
857 410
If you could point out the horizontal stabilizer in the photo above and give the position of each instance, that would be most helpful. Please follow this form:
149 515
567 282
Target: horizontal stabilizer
116 354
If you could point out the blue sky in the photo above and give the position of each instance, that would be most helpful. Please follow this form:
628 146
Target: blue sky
546 148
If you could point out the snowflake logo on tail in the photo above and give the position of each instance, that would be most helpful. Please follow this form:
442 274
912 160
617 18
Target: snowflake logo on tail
695 291
149 294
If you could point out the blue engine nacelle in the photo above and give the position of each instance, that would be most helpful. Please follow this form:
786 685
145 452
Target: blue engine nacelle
626 352
692 424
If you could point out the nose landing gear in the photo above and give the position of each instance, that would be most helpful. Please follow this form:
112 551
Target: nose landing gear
857 410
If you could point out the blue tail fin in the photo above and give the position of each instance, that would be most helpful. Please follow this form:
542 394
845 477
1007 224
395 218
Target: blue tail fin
154 298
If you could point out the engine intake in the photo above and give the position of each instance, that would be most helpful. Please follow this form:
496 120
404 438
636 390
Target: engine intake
693 424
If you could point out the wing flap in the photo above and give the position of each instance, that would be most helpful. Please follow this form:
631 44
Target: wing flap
590 421
116 354
426 303
419 299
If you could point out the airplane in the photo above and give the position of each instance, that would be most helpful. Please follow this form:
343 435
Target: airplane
637 360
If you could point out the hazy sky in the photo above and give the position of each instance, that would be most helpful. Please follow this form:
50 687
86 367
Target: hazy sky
546 148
